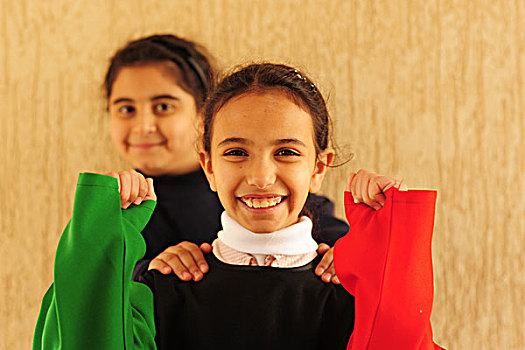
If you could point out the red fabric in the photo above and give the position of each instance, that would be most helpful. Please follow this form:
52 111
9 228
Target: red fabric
385 261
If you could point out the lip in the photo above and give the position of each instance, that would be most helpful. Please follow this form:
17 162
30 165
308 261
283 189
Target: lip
146 146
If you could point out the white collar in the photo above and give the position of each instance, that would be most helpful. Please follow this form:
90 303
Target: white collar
292 240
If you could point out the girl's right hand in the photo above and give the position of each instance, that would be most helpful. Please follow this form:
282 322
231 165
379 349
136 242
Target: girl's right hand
134 188
185 259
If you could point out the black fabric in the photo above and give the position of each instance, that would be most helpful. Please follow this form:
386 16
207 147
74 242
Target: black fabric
187 210
251 307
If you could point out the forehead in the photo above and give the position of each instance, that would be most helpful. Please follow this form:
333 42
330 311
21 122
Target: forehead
263 116
148 78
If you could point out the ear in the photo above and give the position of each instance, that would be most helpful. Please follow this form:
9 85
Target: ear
205 161
323 161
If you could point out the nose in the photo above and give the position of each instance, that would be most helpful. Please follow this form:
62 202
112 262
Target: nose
145 121
262 173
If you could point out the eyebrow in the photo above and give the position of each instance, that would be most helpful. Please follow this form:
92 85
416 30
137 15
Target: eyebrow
154 98
246 142
164 97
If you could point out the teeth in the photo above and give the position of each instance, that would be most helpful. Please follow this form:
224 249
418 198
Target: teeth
262 203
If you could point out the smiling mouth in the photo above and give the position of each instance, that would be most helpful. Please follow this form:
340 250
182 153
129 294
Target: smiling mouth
262 202
146 146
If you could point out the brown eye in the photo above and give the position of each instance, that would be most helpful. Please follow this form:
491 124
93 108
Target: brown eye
236 153
126 110
287 152
163 108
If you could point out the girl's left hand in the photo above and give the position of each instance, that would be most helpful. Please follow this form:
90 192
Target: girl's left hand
326 269
133 187
368 187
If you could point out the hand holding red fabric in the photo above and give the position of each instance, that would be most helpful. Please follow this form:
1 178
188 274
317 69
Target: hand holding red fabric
385 262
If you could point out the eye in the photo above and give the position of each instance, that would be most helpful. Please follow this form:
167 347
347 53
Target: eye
126 110
287 152
163 108
236 153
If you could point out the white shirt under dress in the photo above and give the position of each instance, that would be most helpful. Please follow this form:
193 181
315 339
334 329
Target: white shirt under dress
292 246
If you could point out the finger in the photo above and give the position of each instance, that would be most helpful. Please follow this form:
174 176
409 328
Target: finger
134 191
329 274
367 190
325 262
190 262
353 188
322 248
151 191
335 280
176 265
125 188
376 197
159 265
361 177
198 257
384 183
143 189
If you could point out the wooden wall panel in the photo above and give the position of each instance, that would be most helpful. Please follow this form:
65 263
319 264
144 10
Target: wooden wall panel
431 91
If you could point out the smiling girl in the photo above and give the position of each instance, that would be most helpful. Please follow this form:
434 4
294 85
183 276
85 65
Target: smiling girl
264 149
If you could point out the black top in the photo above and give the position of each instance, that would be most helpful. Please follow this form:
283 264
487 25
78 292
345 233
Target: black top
251 307
188 210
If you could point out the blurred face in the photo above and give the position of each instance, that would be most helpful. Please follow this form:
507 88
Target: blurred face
263 161
153 120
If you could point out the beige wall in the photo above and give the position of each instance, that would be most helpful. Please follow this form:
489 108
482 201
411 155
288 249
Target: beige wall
431 91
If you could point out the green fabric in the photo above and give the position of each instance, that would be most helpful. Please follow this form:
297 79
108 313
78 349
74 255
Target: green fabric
92 303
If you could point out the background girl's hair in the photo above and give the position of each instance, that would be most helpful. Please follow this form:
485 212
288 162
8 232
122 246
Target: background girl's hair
194 64
262 77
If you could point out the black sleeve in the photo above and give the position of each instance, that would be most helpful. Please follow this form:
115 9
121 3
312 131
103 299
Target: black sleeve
327 228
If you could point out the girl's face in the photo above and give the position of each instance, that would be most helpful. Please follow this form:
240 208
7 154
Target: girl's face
263 161
153 120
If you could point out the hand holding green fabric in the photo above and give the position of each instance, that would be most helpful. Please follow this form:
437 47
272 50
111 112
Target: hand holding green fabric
92 303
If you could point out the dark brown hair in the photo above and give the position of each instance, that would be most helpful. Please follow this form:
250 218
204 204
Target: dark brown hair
196 72
262 77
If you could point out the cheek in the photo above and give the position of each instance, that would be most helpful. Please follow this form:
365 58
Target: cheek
227 177
177 131
118 131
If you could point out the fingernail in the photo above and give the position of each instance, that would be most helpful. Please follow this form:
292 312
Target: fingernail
355 200
197 275
137 201
327 277
320 271
166 270
203 268
186 276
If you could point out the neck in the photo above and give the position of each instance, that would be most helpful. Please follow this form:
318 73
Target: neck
292 240
180 169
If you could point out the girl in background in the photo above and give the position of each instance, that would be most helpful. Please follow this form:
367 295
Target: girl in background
156 87
265 148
